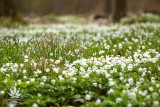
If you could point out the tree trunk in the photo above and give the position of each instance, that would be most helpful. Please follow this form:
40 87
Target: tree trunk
119 9
108 6
1 7
8 8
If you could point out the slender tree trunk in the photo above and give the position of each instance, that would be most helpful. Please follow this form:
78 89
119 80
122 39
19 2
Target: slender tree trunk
8 8
119 9
108 6
1 7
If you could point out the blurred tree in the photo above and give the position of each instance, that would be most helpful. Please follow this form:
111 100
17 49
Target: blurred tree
8 8
108 6
119 9
1 7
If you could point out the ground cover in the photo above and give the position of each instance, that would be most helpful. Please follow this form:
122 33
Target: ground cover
80 65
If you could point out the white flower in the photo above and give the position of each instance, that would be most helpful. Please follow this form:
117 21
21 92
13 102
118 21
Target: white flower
74 79
32 79
56 70
12 105
110 91
156 103
14 93
132 95
158 68
130 80
39 71
155 95
39 95
120 46
26 57
47 70
118 100
86 75
157 85
95 84
57 61
8 75
88 97
24 71
44 78
27 82
151 89
107 47
143 47
129 105
100 86
130 47
101 52
107 75
111 82
42 84
76 50
60 77
25 77
21 65
130 67
51 54
2 92
53 81
121 78
19 81
35 105
98 101
26 60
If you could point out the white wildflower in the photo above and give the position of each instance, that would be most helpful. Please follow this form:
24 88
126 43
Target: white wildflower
41 84
12 105
27 82
156 103
56 70
118 100
98 101
53 81
129 105
35 105
26 60
60 77
44 78
2 92
88 97
47 70
51 54
110 91
101 52
130 80
151 89
26 57
120 46
95 84
57 61
130 67
19 81
24 71
32 79
39 71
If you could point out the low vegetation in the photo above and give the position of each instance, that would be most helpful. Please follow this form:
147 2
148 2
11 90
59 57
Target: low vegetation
80 65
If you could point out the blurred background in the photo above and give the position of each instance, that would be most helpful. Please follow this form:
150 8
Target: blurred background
18 9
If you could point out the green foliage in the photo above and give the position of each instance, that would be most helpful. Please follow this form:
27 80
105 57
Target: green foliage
9 22
142 18
80 65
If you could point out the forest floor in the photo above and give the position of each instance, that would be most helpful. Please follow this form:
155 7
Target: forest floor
81 64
